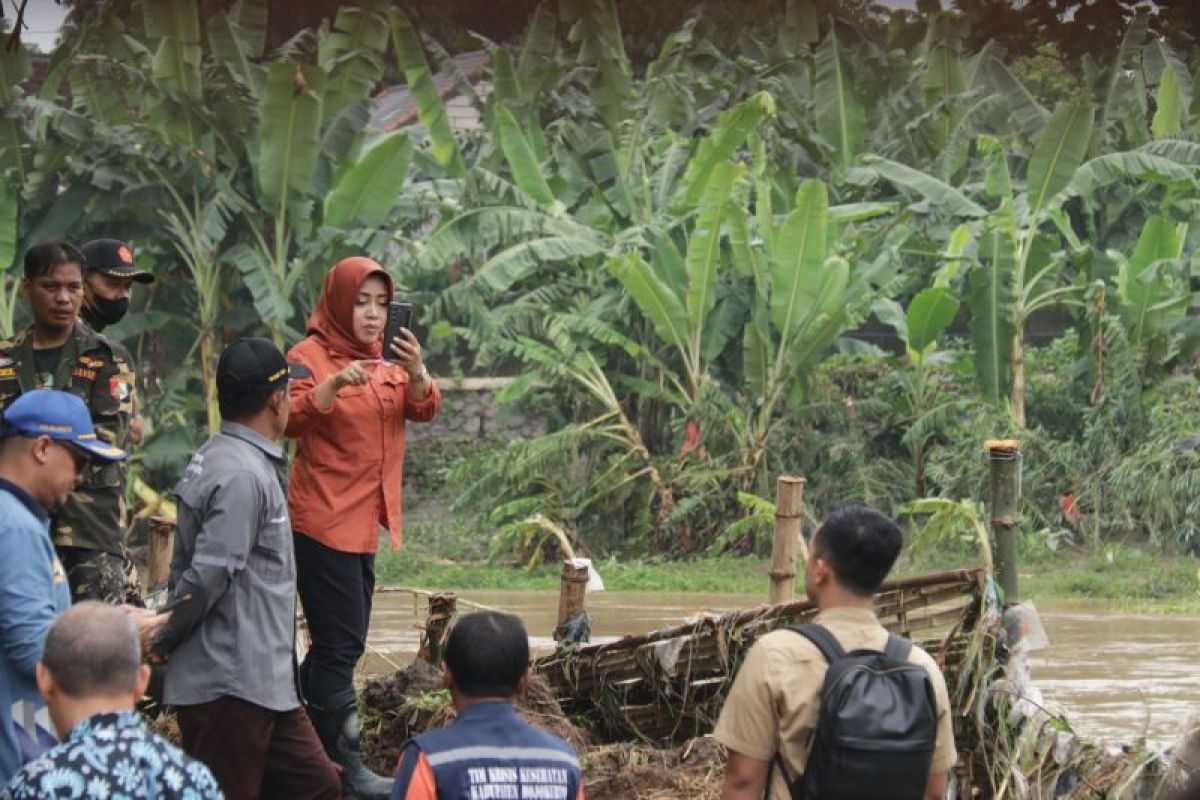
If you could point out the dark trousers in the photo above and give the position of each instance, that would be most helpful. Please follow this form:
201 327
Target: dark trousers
254 752
335 589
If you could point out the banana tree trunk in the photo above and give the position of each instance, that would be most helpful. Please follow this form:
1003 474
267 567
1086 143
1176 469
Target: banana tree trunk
208 372
1018 374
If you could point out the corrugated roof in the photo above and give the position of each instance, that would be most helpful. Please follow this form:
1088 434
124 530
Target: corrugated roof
394 107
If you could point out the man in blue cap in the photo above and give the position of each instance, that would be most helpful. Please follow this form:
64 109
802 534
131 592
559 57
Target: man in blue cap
46 440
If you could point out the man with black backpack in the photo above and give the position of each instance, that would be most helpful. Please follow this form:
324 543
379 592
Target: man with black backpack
840 709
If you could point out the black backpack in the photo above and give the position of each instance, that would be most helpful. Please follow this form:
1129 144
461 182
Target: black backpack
876 727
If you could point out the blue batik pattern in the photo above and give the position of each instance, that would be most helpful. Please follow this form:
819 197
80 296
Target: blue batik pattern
113 757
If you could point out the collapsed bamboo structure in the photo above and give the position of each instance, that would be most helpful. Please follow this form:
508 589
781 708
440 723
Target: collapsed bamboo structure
668 686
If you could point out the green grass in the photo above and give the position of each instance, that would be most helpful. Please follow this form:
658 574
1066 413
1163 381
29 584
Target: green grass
441 552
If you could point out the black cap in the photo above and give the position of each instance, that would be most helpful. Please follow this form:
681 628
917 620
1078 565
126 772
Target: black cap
255 363
114 258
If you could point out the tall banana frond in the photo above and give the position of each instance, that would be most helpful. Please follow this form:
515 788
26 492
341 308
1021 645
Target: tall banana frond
703 255
806 288
1057 154
715 149
992 301
351 53
237 38
522 163
1025 110
654 299
1169 108
1118 85
289 133
942 82
841 120
175 24
410 55
596 29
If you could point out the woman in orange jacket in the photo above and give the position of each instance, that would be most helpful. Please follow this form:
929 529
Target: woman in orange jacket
348 420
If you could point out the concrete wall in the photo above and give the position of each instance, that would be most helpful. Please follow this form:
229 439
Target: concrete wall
470 411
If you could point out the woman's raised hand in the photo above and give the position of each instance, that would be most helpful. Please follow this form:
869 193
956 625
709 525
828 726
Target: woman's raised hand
353 374
407 352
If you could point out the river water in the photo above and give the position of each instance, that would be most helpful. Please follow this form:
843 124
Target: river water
1118 676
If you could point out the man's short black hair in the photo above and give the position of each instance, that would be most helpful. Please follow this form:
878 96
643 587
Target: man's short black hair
487 653
43 257
239 403
861 544
92 650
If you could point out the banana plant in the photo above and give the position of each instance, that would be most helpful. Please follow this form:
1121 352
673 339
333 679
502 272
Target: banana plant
1153 289
929 313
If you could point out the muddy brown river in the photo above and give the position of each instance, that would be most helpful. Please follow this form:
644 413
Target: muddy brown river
1119 676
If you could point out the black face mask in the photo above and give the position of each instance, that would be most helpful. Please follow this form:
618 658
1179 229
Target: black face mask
101 311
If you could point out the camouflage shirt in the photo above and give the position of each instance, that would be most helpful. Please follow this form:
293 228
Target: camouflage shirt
99 371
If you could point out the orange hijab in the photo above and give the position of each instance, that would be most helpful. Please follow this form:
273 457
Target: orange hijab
332 323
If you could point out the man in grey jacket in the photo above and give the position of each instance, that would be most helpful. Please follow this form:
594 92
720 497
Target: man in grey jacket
231 672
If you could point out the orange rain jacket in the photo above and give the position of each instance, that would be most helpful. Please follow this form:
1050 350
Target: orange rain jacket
346 477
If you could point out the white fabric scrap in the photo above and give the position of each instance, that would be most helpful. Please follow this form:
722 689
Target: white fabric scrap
595 583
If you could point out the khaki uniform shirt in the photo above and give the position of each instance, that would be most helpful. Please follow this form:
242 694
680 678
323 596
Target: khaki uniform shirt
773 704
99 371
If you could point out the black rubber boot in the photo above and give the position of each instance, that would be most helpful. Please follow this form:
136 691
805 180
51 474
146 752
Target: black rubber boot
339 731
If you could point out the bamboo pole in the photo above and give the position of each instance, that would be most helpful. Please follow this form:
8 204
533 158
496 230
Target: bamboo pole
789 503
1004 461
159 544
572 589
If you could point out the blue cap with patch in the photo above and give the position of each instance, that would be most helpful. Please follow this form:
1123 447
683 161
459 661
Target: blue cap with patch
61 416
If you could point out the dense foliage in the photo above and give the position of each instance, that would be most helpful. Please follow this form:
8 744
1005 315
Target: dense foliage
818 244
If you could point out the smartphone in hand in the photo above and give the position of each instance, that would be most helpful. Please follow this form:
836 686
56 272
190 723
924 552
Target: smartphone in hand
400 315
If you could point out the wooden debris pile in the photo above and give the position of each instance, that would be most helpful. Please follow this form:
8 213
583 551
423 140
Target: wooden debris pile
667 687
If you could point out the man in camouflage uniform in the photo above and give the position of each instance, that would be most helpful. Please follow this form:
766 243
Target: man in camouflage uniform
62 352
108 278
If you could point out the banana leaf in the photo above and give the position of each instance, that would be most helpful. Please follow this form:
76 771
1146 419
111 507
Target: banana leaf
652 297
522 162
1118 86
1168 114
289 141
1024 108
730 132
597 30
8 227
237 37
1057 154
366 192
840 117
1145 292
798 260
410 55
992 300
176 26
929 313
704 248
936 192
351 53
1140 165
